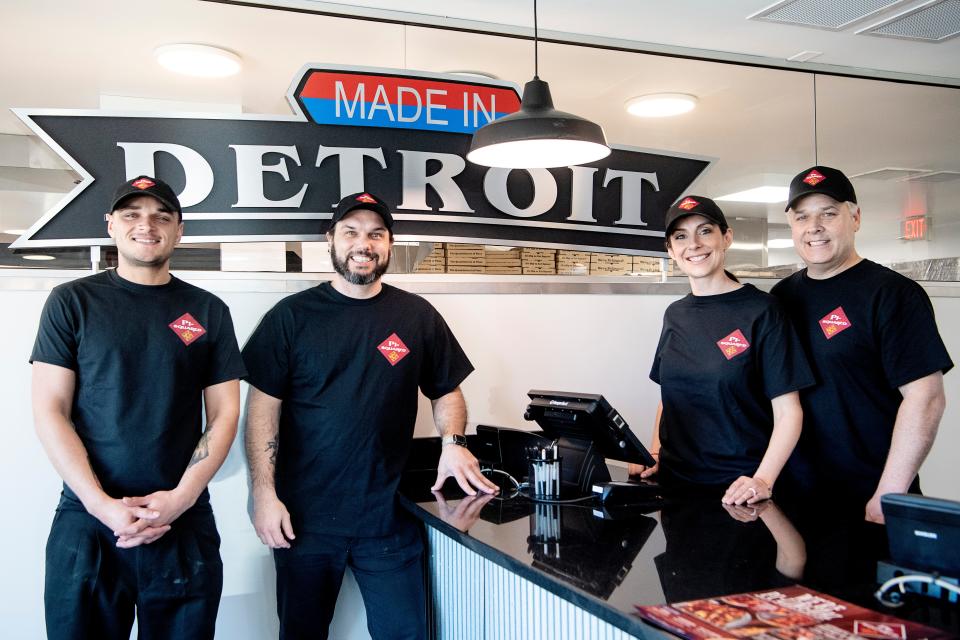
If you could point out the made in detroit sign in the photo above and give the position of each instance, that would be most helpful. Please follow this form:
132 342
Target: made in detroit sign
400 134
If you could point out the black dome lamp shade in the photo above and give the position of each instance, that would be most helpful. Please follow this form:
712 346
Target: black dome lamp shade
537 136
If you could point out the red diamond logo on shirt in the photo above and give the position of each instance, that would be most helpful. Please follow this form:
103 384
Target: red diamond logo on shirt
733 345
687 204
143 183
814 178
834 322
187 328
393 349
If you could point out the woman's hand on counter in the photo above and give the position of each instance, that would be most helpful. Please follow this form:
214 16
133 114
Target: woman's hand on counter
747 490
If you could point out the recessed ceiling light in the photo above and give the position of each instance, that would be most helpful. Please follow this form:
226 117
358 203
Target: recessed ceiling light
661 105
767 194
15 232
38 256
780 243
198 60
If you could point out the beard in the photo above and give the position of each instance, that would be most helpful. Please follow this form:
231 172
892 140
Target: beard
342 266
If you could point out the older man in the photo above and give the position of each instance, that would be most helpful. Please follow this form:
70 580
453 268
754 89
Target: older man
872 340
334 373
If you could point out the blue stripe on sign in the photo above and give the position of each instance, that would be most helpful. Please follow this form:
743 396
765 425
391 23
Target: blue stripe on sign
324 111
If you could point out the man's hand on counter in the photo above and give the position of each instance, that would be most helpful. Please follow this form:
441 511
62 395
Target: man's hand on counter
465 513
458 462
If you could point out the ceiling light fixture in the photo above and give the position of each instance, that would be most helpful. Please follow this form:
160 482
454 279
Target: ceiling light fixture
766 194
15 232
538 136
38 256
200 60
661 105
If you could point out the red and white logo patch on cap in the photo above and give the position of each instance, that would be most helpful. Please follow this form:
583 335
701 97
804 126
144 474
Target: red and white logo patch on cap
393 349
687 204
814 178
733 345
834 322
187 328
143 183
366 197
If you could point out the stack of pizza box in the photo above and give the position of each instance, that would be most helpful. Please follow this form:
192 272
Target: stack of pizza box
573 263
646 265
434 262
502 260
539 261
465 258
610 264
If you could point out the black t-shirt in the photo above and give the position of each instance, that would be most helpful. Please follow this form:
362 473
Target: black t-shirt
720 361
142 356
867 332
347 371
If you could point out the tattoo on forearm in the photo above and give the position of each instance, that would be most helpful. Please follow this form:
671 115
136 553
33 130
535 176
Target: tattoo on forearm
272 446
203 448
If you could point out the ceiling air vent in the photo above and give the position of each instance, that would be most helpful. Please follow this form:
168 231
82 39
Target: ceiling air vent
822 14
933 21
936 176
890 173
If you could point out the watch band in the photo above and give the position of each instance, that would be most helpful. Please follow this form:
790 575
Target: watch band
456 439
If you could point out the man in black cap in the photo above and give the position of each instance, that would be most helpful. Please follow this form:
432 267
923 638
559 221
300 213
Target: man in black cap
872 340
124 364
334 374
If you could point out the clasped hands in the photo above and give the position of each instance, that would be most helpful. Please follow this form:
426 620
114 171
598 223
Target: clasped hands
142 519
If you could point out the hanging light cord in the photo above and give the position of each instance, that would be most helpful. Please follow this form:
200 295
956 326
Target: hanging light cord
536 42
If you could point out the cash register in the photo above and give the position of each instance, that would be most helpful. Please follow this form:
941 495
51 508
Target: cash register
586 430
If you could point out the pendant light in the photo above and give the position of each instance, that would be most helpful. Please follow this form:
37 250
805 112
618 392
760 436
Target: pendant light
538 136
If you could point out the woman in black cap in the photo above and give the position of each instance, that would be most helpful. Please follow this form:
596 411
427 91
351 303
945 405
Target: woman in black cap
729 366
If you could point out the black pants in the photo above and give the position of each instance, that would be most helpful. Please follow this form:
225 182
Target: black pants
389 572
93 589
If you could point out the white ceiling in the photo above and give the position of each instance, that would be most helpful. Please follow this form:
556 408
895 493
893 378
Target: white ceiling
756 121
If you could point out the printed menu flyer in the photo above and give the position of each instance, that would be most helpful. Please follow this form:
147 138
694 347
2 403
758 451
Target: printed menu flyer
792 613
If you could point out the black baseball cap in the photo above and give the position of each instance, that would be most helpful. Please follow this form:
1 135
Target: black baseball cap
145 185
819 179
361 200
695 205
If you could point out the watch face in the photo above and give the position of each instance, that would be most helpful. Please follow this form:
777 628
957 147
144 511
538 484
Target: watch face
456 439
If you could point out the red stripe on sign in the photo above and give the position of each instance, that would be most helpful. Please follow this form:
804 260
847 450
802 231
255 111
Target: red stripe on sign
323 84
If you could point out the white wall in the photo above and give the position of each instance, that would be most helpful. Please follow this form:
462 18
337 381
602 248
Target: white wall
591 343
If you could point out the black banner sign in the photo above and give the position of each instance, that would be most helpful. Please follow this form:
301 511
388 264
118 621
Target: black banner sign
245 178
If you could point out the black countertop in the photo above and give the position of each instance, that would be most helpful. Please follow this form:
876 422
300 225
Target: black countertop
692 547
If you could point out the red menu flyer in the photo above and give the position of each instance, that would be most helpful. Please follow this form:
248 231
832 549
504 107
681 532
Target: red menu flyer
792 613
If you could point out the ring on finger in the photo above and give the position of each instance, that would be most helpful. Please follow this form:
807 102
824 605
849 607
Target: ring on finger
754 491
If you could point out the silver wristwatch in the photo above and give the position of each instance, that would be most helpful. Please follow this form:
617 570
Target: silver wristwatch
455 439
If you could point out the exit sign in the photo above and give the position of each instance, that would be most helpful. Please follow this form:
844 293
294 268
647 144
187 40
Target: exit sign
914 228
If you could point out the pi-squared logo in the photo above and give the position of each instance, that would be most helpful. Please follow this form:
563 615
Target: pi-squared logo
834 322
393 349
814 178
733 345
187 329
